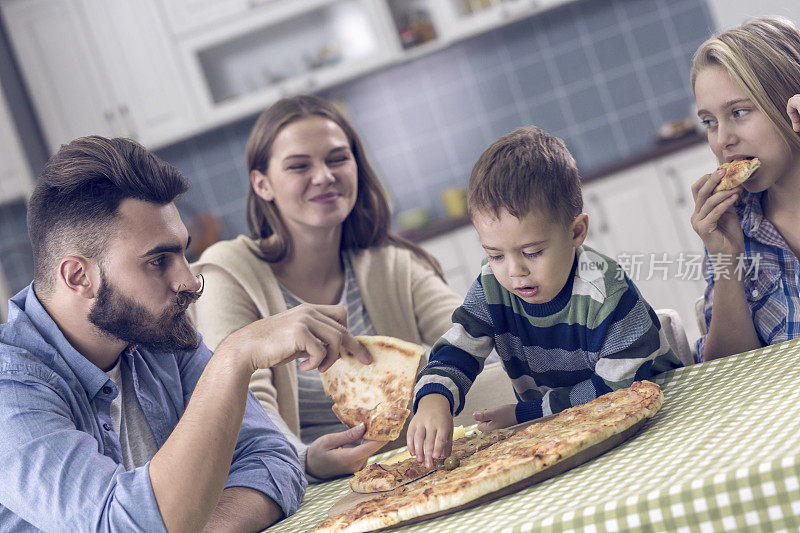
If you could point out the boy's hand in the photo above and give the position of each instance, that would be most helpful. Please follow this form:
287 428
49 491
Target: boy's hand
430 433
496 418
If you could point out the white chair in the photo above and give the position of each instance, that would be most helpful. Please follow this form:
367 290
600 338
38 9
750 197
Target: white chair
672 326
700 315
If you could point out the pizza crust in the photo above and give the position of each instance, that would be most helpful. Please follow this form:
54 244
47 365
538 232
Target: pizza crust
736 173
505 463
382 477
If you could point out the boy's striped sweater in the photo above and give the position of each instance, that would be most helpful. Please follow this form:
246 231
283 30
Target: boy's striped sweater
597 335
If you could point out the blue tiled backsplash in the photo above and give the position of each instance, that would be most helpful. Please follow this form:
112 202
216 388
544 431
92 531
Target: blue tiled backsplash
601 74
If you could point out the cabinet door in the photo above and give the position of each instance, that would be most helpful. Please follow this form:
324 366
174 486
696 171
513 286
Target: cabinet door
637 228
142 68
188 15
678 172
15 175
59 64
445 250
598 219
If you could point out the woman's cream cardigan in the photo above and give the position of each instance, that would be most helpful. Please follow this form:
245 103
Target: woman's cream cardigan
402 295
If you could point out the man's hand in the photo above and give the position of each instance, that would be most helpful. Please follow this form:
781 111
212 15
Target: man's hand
496 418
430 433
327 458
312 332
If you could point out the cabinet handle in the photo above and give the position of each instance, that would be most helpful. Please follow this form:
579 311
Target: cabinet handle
111 120
126 117
601 212
680 194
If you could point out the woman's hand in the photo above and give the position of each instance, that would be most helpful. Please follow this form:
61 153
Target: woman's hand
793 110
312 332
714 218
496 418
327 458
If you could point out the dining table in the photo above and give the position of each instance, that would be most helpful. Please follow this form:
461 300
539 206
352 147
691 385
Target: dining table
722 454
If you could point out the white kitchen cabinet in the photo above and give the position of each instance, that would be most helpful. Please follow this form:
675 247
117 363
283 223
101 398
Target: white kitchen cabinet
164 70
143 71
640 228
460 254
60 66
101 67
15 174
678 173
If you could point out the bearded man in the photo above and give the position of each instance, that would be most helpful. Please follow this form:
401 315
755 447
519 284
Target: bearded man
113 414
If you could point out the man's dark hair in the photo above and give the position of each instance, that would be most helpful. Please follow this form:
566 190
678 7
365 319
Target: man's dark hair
524 170
78 193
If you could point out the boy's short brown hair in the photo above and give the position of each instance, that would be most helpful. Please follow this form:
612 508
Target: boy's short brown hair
524 170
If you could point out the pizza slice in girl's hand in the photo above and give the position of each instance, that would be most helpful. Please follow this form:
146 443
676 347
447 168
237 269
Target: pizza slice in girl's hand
378 394
736 173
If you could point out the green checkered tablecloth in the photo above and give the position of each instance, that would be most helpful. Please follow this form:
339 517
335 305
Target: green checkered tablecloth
722 454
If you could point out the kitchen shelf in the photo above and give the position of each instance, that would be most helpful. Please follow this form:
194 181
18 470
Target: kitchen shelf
168 70
281 48
284 48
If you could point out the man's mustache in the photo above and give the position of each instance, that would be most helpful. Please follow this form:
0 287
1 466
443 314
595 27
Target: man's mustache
184 298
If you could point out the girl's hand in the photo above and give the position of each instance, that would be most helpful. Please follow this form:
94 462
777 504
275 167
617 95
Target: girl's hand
793 109
714 218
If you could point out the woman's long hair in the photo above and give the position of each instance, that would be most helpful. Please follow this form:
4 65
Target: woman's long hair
367 225
763 57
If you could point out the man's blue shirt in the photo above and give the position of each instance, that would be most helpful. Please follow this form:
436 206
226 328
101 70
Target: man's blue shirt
60 459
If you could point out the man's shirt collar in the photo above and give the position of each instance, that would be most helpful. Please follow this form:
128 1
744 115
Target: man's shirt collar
90 376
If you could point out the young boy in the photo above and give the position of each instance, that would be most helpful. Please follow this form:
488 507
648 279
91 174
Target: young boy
566 321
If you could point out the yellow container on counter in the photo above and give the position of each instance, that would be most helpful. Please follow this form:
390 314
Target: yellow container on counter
455 202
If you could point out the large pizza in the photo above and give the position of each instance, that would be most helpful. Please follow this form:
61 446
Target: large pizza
496 464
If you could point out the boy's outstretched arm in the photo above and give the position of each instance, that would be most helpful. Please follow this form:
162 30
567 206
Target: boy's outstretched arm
455 361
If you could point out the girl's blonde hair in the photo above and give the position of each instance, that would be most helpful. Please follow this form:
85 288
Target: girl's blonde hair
763 57
367 225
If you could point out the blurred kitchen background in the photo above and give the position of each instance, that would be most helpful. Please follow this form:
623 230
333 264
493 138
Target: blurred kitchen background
428 85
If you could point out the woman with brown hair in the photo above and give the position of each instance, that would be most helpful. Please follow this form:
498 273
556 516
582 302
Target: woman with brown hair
319 224
745 81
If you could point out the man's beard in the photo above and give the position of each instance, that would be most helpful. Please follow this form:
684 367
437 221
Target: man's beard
121 317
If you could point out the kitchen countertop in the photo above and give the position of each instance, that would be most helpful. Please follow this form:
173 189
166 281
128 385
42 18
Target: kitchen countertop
438 227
